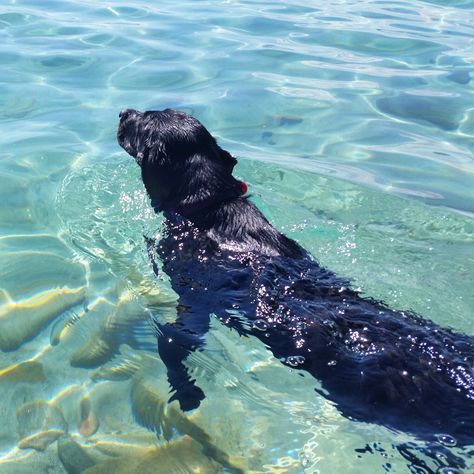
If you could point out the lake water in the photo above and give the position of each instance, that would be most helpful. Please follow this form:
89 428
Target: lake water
353 123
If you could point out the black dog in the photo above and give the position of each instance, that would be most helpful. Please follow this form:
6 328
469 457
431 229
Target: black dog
224 258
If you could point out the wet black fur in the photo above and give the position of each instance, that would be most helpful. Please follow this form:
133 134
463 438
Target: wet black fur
225 259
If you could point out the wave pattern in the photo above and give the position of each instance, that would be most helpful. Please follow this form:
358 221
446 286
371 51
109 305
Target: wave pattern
383 86
353 122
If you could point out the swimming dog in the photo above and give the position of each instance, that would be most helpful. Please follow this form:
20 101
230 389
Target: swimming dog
225 260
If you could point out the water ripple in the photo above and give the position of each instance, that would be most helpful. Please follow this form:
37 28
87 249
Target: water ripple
353 122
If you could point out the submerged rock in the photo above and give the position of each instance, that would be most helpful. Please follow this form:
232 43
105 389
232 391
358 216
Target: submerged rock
442 112
149 403
39 425
74 457
150 392
89 423
288 121
96 351
28 371
124 370
460 76
99 345
21 321
102 343
183 456
62 326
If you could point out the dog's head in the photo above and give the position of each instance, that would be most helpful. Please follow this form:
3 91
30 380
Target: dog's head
183 168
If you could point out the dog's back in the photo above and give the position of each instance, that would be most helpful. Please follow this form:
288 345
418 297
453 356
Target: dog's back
377 365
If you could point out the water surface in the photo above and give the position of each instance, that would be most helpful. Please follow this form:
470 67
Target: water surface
353 123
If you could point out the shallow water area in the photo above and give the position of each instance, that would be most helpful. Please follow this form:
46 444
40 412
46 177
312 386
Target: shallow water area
353 123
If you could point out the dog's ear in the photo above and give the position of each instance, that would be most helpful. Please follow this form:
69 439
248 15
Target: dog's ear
155 152
158 172
204 181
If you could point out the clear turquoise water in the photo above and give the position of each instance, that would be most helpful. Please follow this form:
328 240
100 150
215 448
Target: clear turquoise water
353 122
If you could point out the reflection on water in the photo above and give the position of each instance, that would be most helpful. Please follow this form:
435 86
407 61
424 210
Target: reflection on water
353 123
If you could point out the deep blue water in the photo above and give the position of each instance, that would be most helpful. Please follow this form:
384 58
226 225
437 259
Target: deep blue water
353 123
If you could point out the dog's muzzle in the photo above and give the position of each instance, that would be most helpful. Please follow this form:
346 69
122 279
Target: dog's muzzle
124 113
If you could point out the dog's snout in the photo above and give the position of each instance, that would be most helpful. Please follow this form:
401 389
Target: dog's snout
124 113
